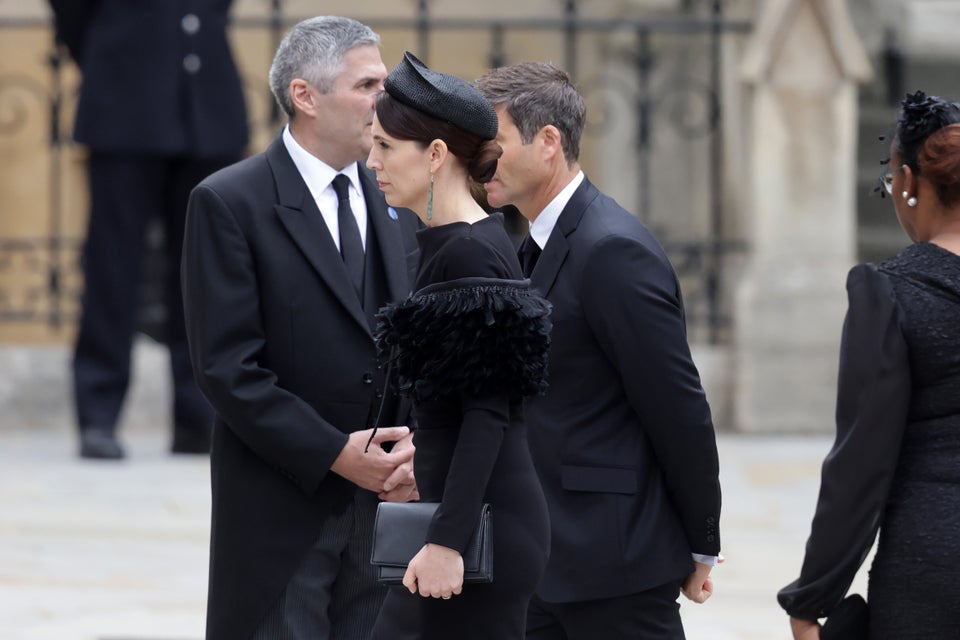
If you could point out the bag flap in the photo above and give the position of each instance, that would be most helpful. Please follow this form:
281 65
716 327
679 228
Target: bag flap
400 530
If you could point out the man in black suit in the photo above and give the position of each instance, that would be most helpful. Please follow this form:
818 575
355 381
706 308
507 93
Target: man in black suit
279 319
623 440
161 107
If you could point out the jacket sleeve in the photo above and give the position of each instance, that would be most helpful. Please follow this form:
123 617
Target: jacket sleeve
71 19
632 302
227 340
483 423
873 397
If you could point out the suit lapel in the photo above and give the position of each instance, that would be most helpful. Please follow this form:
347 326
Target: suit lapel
299 214
555 253
386 230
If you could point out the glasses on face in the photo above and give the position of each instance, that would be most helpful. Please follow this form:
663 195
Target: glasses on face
886 181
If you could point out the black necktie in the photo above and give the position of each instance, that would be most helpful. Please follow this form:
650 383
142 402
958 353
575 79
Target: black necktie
529 253
351 246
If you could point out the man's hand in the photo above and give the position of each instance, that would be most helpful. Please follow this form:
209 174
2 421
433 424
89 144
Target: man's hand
372 469
401 486
699 585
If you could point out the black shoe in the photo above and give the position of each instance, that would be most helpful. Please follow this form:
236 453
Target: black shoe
100 444
191 440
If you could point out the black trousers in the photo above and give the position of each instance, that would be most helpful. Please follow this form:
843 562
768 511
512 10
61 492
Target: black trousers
334 594
653 614
126 193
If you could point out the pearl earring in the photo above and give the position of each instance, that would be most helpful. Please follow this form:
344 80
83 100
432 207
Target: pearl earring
911 201
905 195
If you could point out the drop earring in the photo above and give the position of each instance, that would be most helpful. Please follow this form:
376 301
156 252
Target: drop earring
430 200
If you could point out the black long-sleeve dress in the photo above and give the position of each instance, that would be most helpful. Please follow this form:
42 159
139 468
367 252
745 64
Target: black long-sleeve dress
895 465
467 346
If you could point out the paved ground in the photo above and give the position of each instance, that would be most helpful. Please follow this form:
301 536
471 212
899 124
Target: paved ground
118 551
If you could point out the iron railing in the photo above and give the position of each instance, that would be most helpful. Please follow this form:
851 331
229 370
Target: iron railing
699 260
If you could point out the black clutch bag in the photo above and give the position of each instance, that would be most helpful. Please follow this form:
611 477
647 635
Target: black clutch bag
400 531
849 621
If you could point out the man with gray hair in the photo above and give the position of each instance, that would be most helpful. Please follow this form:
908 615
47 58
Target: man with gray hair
288 255
623 441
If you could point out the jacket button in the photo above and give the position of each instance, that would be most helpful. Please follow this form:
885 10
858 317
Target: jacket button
191 63
711 520
710 538
367 378
190 24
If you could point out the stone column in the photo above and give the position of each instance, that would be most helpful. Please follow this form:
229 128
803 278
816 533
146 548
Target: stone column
802 69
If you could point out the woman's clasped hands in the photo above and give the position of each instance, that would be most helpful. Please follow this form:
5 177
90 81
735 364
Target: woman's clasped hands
436 572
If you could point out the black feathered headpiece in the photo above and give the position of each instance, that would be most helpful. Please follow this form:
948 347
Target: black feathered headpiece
922 115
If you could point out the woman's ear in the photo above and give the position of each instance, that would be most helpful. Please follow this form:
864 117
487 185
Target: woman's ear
437 152
909 182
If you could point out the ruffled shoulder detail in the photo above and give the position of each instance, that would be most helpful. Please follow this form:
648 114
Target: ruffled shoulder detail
482 336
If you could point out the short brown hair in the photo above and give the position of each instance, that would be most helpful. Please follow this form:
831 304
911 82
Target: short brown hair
537 94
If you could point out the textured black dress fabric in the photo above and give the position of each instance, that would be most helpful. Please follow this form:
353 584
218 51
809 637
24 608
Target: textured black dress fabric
467 346
895 465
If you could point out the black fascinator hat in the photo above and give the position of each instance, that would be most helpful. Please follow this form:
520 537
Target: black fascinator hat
921 115
442 96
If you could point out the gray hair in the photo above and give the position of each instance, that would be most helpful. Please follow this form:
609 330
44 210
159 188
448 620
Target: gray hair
537 94
313 50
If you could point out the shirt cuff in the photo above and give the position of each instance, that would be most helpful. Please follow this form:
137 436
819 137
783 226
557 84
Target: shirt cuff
702 559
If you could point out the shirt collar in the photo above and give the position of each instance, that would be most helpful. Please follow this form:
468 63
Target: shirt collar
542 226
316 173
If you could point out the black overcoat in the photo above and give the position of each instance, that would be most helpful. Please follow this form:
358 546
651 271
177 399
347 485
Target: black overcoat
283 351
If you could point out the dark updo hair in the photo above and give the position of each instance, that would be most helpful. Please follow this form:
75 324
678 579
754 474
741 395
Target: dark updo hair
938 160
406 123
927 139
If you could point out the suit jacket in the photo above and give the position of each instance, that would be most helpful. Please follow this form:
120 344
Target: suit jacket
623 440
283 351
158 76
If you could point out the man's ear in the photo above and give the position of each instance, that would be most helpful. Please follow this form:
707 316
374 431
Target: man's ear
302 96
551 142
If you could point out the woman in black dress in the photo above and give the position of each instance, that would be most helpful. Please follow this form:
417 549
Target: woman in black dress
466 347
895 465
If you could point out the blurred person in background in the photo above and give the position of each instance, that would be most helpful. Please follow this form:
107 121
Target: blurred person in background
895 464
161 107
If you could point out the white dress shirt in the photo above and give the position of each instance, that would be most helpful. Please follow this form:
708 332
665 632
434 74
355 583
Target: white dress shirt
319 178
542 226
